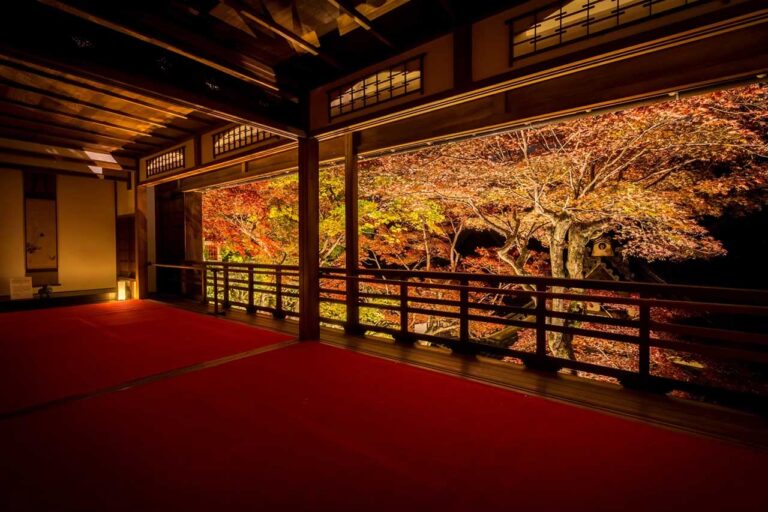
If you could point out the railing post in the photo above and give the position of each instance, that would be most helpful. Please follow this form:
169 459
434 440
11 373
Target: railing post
250 308
204 284
183 281
216 292
225 301
279 313
541 322
644 347
403 336
352 298
464 311
541 361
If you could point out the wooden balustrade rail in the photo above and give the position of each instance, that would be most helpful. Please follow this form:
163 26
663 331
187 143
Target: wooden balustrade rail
461 300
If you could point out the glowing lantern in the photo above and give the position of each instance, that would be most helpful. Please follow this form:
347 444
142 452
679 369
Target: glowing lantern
121 290
125 289
602 247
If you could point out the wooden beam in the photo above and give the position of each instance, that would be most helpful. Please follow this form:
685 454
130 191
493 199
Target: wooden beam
219 62
235 160
349 9
76 101
272 26
351 231
262 165
64 141
108 175
281 31
39 108
141 208
83 164
722 46
718 60
74 153
47 123
309 239
234 109
47 126
47 74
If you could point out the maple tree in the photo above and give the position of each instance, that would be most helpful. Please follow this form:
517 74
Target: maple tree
528 202
645 175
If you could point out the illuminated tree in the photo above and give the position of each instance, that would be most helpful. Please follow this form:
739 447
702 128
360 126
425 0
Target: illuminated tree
645 175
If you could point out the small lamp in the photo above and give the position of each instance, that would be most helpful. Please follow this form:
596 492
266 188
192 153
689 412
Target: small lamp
122 290
602 247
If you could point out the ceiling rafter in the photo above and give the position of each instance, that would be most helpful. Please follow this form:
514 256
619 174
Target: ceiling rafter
265 78
65 151
348 8
50 75
39 108
69 142
150 88
47 124
53 157
274 27
106 174
76 101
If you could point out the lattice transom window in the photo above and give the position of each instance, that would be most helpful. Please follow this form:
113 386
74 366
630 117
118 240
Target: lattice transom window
568 21
168 161
396 81
238 137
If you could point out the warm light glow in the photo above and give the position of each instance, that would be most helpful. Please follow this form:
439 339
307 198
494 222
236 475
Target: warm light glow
96 169
100 157
121 290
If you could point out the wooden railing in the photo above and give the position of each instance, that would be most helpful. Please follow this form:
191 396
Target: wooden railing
465 305
250 286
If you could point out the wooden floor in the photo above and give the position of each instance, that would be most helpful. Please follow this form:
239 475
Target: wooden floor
686 415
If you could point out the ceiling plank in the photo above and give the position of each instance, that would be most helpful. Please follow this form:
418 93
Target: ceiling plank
65 141
50 124
64 151
63 161
76 101
38 35
163 92
105 124
106 174
44 73
265 78
19 122
348 8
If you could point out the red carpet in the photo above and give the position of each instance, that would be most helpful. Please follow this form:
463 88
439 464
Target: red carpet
311 427
53 353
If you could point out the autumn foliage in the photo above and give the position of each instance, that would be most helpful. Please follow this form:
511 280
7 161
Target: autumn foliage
532 202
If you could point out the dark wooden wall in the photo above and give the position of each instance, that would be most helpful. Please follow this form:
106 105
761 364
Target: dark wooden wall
126 246
169 234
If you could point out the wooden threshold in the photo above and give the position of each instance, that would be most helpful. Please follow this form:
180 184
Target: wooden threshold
689 416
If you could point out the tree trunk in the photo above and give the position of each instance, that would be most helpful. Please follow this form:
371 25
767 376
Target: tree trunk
560 344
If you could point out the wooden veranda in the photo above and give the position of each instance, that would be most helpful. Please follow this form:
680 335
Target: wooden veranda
172 98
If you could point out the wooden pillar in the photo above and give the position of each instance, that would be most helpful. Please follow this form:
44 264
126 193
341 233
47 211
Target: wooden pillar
351 231
193 226
309 239
142 248
193 240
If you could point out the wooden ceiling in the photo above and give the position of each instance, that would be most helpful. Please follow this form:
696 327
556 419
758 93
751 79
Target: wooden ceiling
130 77
63 109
